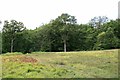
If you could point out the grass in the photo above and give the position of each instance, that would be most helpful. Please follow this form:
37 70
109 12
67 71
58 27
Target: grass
0 66
83 64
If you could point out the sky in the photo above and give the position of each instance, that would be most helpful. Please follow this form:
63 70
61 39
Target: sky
34 13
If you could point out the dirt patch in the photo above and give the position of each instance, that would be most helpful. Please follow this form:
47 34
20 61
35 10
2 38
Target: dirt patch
28 59
19 59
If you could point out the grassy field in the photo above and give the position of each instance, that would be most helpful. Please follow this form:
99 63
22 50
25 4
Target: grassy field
84 64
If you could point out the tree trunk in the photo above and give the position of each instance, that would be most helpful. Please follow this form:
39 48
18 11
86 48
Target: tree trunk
64 45
11 45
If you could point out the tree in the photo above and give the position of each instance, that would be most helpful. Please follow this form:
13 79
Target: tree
10 30
44 36
98 21
106 40
117 27
62 34
65 21
114 25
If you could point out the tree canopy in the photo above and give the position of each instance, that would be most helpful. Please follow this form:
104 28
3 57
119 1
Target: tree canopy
62 34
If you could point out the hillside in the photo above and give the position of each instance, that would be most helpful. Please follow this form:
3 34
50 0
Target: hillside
83 64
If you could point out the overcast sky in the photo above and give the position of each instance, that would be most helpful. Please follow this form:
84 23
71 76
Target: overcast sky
35 12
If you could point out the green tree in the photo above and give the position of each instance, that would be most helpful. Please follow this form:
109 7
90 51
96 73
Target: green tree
106 40
10 29
62 34
65 21
114 25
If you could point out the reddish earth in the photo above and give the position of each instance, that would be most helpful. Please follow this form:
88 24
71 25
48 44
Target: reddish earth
28 59
19 59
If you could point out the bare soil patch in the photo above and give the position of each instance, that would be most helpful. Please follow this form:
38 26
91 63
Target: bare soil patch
19 59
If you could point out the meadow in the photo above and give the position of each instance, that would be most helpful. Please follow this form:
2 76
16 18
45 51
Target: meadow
81 64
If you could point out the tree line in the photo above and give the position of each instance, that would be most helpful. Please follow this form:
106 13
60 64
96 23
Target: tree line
61 34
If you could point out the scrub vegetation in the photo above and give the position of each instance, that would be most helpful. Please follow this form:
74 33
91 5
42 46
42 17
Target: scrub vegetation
83 64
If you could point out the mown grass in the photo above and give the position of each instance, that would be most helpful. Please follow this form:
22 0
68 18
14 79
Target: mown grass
84 64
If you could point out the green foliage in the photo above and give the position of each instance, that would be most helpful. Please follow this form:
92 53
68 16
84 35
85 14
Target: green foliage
9 33
106 40
61 34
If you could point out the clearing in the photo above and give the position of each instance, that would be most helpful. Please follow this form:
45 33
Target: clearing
81 64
